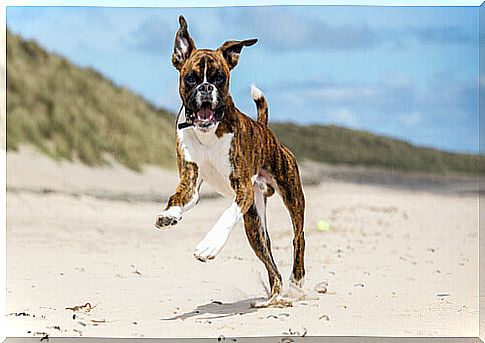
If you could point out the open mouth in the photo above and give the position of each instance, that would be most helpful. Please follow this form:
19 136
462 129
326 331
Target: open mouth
205 117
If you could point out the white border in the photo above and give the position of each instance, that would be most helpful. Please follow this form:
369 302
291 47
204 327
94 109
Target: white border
220 3
3 172
141 3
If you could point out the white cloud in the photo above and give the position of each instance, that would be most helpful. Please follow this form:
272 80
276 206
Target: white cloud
343 116
411 119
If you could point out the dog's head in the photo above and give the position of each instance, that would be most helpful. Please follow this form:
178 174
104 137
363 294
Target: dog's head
204 76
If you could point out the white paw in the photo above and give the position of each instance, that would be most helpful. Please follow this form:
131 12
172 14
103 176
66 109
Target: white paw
275 300
169 217
299 283
210 246
295 290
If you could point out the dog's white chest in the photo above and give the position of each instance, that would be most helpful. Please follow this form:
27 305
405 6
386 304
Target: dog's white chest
211 154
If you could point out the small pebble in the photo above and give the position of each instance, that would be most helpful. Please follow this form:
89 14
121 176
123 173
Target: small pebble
321 287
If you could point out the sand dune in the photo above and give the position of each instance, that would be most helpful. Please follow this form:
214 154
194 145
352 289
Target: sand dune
399 261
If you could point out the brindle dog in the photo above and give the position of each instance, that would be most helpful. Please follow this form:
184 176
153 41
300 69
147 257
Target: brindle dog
239 157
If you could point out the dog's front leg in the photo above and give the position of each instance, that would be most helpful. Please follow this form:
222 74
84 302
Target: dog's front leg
217 237
185 197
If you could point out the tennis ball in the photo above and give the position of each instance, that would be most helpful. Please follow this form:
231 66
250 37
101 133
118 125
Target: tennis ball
322 225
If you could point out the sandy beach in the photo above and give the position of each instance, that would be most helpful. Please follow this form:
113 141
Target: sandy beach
398 260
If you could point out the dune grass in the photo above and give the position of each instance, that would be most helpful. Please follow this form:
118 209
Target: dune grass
75 113
338 145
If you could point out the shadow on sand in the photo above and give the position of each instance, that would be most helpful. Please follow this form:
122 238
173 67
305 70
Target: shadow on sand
219 310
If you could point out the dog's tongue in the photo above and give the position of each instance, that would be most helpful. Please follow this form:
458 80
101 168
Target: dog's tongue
205 113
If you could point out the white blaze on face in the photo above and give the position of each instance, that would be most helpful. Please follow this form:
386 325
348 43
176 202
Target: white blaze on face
205 71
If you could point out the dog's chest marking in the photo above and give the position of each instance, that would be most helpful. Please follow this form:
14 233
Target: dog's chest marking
211 154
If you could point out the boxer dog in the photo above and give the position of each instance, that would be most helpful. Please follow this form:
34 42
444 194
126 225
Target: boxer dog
237 156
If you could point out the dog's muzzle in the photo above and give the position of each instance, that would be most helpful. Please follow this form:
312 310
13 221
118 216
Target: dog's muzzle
204 108
202 119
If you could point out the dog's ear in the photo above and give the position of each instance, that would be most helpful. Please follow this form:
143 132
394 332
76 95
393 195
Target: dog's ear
231 50
184 45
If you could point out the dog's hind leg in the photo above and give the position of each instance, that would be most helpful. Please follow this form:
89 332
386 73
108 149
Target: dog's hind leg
290 189
255 226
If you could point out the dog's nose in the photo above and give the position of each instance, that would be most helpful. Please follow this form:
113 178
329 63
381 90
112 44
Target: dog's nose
205 88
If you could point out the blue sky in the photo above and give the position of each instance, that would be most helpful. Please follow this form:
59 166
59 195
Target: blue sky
405 72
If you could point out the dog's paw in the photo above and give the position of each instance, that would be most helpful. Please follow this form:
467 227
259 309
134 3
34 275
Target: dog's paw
294 282
169 217
210 246
295 290
275 300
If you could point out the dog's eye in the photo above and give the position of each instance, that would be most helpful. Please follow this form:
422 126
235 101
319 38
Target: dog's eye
190 79
219 79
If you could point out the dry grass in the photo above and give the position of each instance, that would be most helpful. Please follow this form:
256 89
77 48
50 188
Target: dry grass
74 113
339 145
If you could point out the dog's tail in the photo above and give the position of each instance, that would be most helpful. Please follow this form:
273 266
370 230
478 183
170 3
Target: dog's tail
261 105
